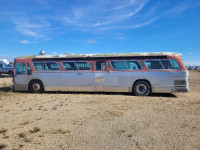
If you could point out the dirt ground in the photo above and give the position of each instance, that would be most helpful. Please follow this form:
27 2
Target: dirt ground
99 121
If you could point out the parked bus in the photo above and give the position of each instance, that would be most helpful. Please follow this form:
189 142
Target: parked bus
141 74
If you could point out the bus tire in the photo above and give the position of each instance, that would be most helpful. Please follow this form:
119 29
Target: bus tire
36 86
10 73
141 88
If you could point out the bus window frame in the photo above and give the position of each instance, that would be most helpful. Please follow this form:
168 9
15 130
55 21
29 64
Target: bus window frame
179 67
126 65
100 61
161 64
76 66
25 69
45 65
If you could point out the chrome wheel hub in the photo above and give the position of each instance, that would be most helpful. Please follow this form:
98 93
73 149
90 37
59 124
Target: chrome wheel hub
141 88
36 87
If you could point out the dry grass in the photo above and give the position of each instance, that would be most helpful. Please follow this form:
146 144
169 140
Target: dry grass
25 122
5 89
99 120
195 102
3 131
61 131
23 135
35 129
2 146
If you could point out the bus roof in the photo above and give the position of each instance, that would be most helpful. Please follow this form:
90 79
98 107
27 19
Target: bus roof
71 55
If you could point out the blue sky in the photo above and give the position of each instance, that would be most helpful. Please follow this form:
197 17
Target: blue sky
100 26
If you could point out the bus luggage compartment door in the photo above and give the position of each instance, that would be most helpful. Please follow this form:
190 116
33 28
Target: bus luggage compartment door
99 82
99 77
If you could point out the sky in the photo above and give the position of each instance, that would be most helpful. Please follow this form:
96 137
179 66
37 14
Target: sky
100 26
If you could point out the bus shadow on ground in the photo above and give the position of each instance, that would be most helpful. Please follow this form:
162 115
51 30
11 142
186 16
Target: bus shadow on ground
4 76
163 95
9 89
111 93
6 89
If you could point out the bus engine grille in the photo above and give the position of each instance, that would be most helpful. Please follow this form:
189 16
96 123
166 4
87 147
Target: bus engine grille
180 83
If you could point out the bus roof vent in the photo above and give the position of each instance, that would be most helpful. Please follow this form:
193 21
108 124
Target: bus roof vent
42 52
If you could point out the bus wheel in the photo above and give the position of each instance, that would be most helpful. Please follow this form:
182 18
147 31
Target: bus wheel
10 74
36 86
141 88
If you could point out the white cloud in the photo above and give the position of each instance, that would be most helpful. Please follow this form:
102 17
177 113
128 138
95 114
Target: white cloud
9 58
54 53
30 27
184 5
108 16
197 63
189 53
98 14
91 41
126 4
121 38
139 25
90 15
25 42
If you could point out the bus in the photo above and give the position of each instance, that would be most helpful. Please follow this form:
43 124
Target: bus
137 73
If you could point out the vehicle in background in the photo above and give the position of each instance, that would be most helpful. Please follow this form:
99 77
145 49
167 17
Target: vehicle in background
6 68
191 68
197 67
141 74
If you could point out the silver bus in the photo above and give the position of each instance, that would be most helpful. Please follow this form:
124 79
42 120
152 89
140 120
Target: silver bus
136 73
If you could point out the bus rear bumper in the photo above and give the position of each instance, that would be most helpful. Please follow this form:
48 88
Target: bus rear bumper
180 89
19 87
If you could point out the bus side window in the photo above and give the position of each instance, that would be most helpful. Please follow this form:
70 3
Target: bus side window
170 64
52 66
39 66
29 71
82 65
133 65
100 65
69 66
154 64
20 69
119 65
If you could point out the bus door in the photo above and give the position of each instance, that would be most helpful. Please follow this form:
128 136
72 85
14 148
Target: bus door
22 76
123 76
78 76
99 76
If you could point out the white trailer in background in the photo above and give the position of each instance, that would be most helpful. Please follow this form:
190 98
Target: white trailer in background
5 61
6 68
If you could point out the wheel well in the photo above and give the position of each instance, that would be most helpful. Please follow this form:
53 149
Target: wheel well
10 71
145 81
33 81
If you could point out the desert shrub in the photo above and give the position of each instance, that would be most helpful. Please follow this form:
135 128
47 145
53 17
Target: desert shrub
23 135
62 131
2 146
3 131
25 122
6 89
35 129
